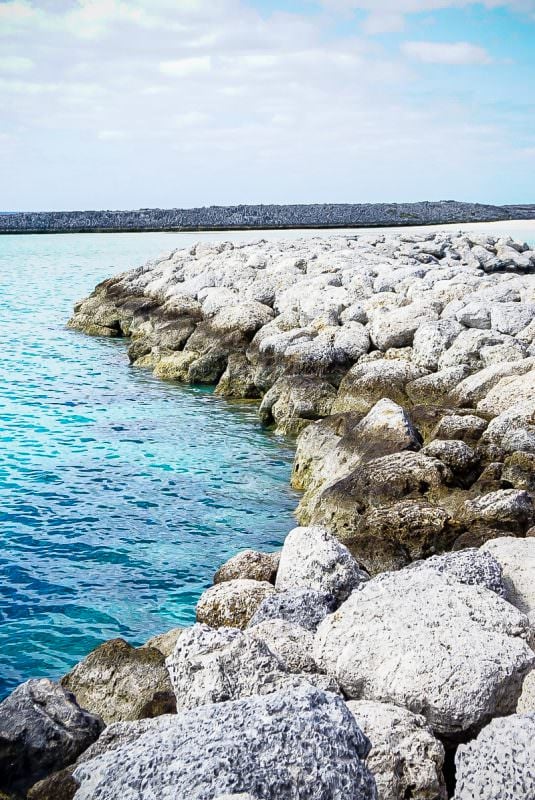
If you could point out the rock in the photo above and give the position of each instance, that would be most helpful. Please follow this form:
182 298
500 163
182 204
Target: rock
297 745
303 607
396 328
526 701
511 431
120 682
367 383
436 388
452 652
506 510
499 764
466 348
432 339
232 603
175 367
476 387
164 642
42 730
291 643
58 786
311 558
517 560
468 428
471 566
475 315
509 392
519 471
294 401
249 565
405 759
456 454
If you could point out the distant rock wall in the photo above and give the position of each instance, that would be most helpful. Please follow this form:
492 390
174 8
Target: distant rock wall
322 215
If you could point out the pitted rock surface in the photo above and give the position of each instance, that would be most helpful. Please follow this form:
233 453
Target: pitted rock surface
303 607
297 745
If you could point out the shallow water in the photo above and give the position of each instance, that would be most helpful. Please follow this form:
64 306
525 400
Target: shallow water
120 494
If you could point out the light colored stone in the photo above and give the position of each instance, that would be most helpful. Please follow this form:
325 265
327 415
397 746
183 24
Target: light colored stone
312 558
526 701
405 759
456 654
165 642
297 745
292 643
508 392
517 560
303 607
396 328
499 764
471 566
232 603
432 339
249 565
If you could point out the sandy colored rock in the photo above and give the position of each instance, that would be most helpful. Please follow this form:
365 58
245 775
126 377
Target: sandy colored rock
232 603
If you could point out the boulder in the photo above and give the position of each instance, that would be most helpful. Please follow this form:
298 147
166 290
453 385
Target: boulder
405 759
508 392
58 786
249 565
511 318
477 387
432 339
311 558
42 730
291 643
467 428
165 642
232 603
471 566
368 382
511 431
296 745
526 701
303 607
519 471
457 654
505 510
396 328
500 763
294 401
120 682
456 454
436 388
517 560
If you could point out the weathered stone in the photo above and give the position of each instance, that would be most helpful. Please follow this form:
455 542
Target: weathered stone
506 510
499 764
517 560
120 682
432 339
511 318
471 566
295 745
311 558
292 643
294 401
58 786
508 392
526 701
436 388
405 759
454 653
511 431
42 730
369 382
478 386
303 607
232 603
396 328
457 455
519 471
165 642
468 428
250 565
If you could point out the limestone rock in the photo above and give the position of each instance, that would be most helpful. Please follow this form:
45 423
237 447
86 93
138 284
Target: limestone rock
405 759
120 682
526 701
312 558
303 607
517 560
292 643
369 382
249 565
294 401
506 510
58 786
232 603
432 339
471 566
499 764
165 642
456 454
396 328
297 745
42 730
508 392
452 652
467 427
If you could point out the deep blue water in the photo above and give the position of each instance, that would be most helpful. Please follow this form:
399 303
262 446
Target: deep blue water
120 495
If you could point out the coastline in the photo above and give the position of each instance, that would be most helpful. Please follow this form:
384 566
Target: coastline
405 367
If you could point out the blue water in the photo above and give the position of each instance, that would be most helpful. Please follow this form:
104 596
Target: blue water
120 494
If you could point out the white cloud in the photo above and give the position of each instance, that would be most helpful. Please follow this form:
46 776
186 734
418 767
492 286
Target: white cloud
185 67
452 53
111 136
15 64
383 22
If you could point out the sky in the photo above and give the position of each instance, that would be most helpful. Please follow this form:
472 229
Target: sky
183 103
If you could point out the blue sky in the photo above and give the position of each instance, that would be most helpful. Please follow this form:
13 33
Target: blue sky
132 103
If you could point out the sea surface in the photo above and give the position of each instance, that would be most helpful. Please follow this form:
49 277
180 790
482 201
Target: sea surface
120 495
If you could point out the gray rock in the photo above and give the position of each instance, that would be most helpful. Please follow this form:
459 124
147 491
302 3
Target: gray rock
303 607
312 558
432 339
456 654
42 730
368 382
292 643
457 455
471 566
509 391
119 682
517 560
250 565
526 701
468 428
297 745
396 328
500 763
232 603
505 509
406 760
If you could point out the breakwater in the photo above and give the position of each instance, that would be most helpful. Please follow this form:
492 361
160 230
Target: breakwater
244 217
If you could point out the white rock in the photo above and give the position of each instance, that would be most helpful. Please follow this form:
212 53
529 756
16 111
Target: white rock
517 560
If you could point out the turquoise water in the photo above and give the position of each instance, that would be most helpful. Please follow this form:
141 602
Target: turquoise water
120 494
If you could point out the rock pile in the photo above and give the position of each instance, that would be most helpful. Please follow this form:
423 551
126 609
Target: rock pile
393 634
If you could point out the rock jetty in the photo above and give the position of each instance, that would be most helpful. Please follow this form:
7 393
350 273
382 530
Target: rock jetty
386 652
243 217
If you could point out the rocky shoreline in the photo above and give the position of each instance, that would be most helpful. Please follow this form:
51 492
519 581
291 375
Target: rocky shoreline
250 217
387 650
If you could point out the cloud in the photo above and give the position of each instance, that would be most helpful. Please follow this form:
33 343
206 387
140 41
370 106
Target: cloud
185 67
383 22
15 64
451 53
